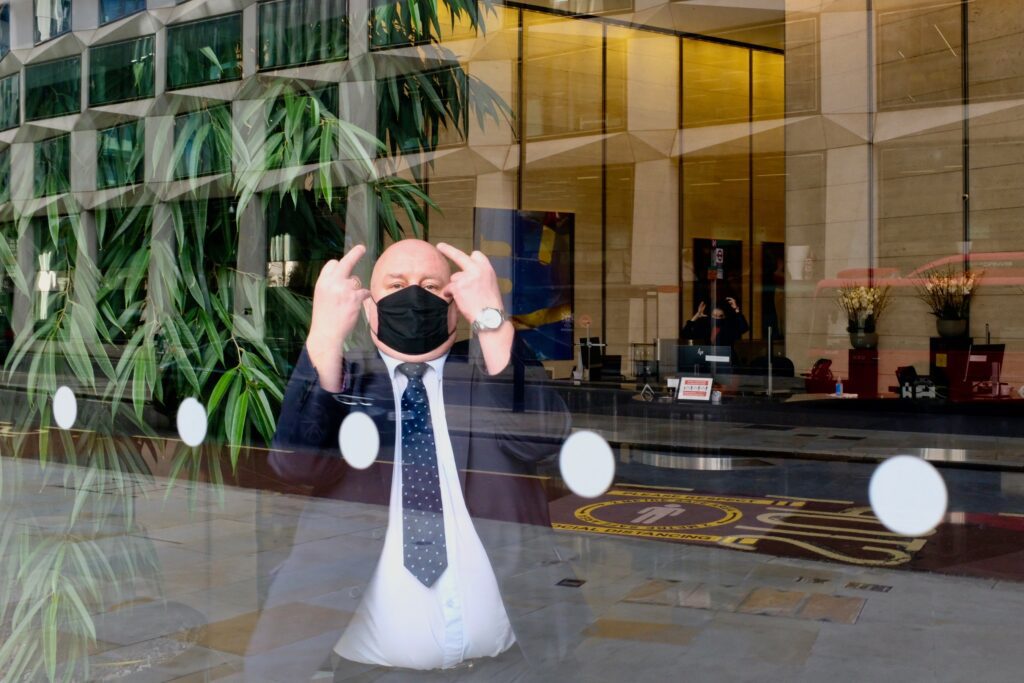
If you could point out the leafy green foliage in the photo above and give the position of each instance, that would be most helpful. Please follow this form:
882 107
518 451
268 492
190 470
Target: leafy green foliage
142 303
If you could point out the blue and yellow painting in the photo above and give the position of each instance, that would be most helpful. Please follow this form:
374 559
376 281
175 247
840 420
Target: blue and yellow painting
532 254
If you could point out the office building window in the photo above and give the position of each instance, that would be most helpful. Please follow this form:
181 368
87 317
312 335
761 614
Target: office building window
393 25
202 142
53 18
53 88
5 175
5 29
111 10
119 155
9 102
203 52
53 166
122 71
302 32
294 131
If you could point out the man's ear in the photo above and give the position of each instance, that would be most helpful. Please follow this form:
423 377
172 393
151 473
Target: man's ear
370 313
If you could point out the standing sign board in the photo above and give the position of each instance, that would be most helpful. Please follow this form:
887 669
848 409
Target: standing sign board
694 388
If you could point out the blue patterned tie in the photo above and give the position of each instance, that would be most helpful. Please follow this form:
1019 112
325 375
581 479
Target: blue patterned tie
424 549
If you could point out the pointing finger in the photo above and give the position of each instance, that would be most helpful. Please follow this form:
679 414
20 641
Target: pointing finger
459 257
349 261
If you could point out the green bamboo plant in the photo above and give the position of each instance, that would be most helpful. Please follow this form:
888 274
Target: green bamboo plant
140 316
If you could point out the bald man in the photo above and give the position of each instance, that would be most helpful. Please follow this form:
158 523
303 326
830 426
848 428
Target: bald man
460 442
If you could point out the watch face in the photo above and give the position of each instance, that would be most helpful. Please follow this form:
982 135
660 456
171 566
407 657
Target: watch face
490 318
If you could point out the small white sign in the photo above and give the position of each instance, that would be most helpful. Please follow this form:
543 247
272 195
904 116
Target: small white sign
716 359
694 388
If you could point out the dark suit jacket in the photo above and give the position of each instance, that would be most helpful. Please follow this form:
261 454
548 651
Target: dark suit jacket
500 429
730 329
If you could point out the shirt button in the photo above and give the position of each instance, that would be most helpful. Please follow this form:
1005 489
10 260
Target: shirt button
450 602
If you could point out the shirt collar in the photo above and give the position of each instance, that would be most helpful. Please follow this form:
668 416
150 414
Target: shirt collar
392 364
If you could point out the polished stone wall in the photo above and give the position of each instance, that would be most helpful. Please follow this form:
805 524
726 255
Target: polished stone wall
886 102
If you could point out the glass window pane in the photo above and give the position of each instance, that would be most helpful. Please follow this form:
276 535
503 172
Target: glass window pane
204 52
53 88
5 29
292 116
122 71
563 76
393 25
9 114
414 125
53 166
5 175
120 153
202 142
115 9
53 17
302 32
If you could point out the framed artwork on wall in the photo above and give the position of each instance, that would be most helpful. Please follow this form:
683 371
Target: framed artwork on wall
532 252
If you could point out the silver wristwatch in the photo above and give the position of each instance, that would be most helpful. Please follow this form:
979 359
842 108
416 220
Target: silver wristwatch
489 319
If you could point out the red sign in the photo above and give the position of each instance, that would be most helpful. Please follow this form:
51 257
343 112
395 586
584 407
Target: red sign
694 389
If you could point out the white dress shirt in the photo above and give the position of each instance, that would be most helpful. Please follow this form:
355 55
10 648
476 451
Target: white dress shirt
402 623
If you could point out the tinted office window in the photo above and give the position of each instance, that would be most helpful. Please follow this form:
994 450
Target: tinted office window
53 166
122 71
53 17
204 52
302 32
115 9
5 175
202 142
391 25
53 88
5 30
9 102
119 155
293 128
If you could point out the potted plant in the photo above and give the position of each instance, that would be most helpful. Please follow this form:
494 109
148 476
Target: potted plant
948 294
863 305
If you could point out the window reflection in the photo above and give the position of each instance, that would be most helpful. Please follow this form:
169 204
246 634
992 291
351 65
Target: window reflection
53 88
52 18
53 166
120 158
203 52
122 71
294 32
9 102
111 10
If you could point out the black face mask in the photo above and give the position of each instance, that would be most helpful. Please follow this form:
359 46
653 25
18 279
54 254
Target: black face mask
412 320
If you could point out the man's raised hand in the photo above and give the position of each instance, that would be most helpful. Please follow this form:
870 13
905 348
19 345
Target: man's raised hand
475 286
337 303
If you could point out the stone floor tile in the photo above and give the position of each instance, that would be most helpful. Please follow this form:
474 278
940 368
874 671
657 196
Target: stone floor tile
772 602
832 608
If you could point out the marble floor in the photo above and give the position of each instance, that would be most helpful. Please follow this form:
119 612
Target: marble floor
201 582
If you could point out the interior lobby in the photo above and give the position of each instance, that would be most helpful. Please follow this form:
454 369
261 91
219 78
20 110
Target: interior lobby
761 417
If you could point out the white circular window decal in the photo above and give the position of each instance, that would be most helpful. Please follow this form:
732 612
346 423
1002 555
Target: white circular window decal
358 440
908 495
65 408
587 464
192 422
